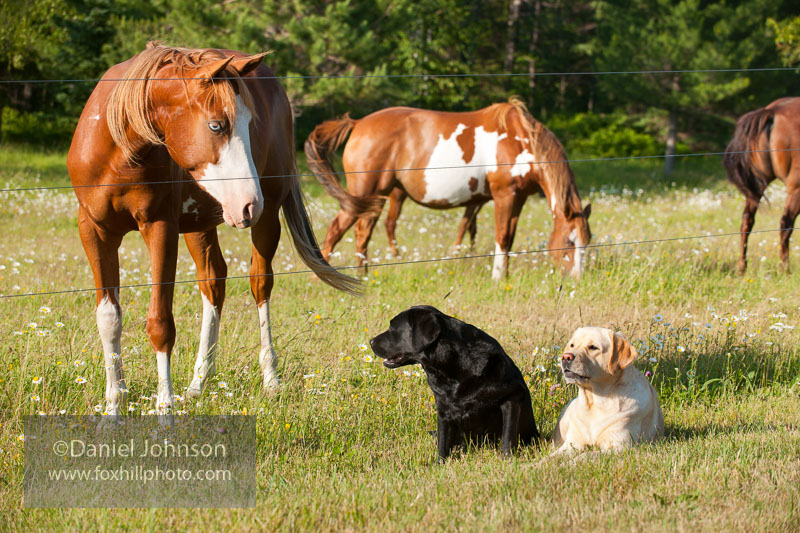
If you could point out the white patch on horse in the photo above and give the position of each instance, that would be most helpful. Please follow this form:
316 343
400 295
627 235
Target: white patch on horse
452 184
190 206
579 254
109 324
204 366
233 180
164 389
267 358
553 204
96 117
523 163
500 262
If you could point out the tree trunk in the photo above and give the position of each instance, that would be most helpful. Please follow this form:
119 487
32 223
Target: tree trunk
513 15
537 9
672 141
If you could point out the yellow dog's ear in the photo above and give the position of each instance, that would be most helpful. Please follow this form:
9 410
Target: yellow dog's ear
622 352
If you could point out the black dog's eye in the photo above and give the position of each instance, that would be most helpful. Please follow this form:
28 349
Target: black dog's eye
216 126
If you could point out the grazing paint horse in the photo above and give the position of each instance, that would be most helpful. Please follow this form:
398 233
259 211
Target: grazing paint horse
457 159
174 141
761 150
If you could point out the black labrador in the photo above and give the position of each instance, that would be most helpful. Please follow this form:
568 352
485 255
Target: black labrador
479 391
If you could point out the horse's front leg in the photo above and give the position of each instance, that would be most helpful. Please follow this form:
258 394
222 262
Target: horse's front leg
265 236
211 273
161 238
102 251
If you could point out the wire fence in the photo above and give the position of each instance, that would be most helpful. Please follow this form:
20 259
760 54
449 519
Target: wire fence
397 263
400 76
407 169
430 75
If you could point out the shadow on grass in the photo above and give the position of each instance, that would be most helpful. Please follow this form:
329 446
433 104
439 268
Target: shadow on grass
675 433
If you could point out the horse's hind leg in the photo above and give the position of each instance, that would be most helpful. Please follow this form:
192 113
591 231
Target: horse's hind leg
211 273
364 228
102 251
468 222
395 206
790 213
748 219
339 225
265 235
506 214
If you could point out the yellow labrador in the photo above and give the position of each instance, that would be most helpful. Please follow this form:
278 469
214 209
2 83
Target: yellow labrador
616 406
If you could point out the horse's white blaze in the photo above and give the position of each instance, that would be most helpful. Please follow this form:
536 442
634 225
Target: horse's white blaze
553 204
109 324
164 390
204 366
452 185
522 164
579 255
500 262
267 358
233 179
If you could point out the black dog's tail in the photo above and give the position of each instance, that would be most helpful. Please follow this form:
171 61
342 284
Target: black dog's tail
747 159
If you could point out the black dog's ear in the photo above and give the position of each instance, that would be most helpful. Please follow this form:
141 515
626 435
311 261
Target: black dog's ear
425 326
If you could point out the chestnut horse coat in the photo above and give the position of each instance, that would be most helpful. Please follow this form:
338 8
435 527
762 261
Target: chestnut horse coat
444 160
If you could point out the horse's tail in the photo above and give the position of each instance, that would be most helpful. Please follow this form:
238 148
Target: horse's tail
747 159
305 242
319 147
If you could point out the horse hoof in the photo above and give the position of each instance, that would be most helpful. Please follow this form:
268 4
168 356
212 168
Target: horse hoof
193 392
271 383
108 423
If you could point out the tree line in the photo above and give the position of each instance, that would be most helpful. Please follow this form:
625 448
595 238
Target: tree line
546 44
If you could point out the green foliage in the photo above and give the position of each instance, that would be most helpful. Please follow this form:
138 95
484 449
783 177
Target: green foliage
316 42
36 127
787 39
610 135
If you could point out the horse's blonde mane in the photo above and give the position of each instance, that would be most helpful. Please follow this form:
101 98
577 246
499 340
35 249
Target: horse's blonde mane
546 147
129 107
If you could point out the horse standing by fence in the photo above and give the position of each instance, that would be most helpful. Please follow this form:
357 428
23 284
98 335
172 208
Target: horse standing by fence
177 141
453 160
762 149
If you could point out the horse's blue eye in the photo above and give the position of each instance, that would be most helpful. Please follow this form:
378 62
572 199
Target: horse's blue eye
215 126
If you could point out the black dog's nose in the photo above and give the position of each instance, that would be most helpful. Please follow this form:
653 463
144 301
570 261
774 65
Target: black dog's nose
567 356
372 343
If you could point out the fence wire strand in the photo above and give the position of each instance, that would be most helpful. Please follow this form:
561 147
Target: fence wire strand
410 169
433 75
397 263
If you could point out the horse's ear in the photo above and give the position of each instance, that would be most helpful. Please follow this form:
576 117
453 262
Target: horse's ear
587 210
245 65
212 69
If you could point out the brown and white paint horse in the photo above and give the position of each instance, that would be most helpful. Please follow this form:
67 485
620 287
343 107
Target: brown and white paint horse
764 147
177 141
458 159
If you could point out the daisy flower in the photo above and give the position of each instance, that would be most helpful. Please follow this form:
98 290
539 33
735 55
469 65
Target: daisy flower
36 380
80 380
35 398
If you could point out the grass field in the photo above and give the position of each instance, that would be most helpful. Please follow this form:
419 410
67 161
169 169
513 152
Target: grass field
344 443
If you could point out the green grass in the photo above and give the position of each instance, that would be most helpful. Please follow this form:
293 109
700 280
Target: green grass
348 448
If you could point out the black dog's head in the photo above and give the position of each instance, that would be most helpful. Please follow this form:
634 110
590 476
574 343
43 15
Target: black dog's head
410 335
